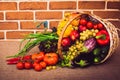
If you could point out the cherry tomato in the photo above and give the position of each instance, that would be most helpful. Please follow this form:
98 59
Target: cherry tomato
95 26
82 28
65 42
43 64
20 65
83 21
28 65
100 26
34 64
51 58
89 25
38 67
27 57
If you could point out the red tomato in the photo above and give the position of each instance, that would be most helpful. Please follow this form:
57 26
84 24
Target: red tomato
34 64
89 25
43 64
83 22
27 57
34 56
65 42
28 65
51 58
37 57
20 65
37 61
38 67
82 28
95 26
40 56
100 26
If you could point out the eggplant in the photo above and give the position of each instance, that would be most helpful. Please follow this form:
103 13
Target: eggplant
83 60
89 45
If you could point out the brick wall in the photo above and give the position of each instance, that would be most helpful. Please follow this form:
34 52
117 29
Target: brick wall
20 17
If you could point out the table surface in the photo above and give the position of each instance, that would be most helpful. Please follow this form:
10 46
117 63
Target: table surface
110 70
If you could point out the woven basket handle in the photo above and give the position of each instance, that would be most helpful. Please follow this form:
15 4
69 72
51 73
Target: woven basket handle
62 33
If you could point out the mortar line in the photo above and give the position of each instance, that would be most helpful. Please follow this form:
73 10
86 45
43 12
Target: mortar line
4 15
19 28
76 5
34 18
18 5
106 4
48 4
5 36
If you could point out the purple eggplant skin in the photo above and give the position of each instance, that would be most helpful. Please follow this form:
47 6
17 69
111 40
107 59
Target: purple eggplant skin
89 45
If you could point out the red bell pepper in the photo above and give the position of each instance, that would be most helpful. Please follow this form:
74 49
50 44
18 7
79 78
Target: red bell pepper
103 37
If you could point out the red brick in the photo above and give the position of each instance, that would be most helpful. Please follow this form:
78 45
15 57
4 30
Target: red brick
1 35
8 5
91 4
33 5
49 15
30 25
54 24
108 14
63 5
8 25
1 16
113 5
115 23
17 34
19 15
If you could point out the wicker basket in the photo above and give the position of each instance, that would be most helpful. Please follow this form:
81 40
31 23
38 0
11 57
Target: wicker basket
114 38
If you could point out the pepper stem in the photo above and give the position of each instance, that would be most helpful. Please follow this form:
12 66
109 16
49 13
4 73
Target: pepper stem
103 36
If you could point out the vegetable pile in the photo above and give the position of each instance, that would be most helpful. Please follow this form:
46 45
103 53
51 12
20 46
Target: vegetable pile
36 61
46 58
85 42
